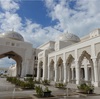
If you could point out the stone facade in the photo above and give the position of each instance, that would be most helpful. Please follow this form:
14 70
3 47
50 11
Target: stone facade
12 45
71 59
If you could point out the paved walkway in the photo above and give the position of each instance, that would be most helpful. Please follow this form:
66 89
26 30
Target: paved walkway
7 91
5 86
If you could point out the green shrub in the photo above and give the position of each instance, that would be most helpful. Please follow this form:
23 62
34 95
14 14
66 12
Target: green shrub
60 85
39 91
86 88
47 89
22 84
12 79
46 82
37 81
29 79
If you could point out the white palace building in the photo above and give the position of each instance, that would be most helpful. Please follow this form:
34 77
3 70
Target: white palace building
68 59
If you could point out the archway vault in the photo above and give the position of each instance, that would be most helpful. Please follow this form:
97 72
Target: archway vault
16 57
11 54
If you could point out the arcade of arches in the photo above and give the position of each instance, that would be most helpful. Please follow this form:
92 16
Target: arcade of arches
85 69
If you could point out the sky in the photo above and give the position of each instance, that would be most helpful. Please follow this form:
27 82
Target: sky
39 21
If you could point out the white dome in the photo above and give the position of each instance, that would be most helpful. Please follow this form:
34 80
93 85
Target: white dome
13 35
68 37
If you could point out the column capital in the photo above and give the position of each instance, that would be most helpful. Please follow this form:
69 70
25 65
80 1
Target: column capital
77 64
76 61
94 57
64 63
94 60
48 65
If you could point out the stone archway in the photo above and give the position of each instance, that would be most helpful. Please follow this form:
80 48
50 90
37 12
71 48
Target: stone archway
86 67
60 70
52 70
17 58
71 72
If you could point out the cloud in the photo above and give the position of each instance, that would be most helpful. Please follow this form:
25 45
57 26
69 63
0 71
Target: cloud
9 5
79 17
32 32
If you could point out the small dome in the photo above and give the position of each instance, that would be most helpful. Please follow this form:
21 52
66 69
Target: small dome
13 35
68 37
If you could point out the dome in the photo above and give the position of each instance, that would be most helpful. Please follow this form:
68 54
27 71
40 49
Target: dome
13 35
68 37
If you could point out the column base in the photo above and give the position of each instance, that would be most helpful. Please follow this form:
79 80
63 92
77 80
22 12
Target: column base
96 84
92 82
43 78
65 81
37 78
56 80
48 79
77 82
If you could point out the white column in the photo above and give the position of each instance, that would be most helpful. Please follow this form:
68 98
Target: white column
38 72
43 78
68 70
44 69
72 73
77 72
49 72
65 73
95 71
60 73
23 69
56 76
86 70
92 74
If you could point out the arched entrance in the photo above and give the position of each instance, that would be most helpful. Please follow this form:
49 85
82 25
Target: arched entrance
52 71
60 70
86 68
15 57
71 72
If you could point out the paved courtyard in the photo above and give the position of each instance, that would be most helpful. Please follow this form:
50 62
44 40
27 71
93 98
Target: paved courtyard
8 91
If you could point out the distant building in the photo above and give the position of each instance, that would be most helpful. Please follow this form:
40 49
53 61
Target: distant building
12 71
